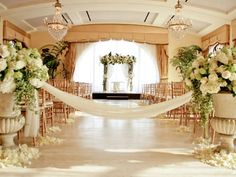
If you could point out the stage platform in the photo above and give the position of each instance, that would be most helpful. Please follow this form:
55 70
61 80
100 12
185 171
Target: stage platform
116 96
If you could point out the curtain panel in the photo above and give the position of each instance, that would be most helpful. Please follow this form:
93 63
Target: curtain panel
70 60
162 62
220 35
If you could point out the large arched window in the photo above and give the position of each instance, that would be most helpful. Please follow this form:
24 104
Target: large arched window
89 68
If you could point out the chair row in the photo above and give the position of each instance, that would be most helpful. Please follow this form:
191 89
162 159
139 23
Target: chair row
159 92
51 107
83 90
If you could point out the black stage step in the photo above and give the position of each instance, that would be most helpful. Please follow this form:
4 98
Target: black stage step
116 96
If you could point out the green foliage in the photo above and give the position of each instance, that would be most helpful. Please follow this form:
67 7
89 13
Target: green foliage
184 58
202 104
183 61
51 58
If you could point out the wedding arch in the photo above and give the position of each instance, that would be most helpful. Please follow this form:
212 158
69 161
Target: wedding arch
117 59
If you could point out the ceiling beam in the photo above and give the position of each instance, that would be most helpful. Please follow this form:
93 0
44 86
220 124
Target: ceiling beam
75 17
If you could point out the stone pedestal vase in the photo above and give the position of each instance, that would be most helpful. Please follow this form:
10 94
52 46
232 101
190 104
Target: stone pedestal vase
11 120
224 121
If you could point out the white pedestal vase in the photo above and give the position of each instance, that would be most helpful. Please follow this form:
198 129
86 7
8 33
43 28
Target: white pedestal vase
11 120
224 121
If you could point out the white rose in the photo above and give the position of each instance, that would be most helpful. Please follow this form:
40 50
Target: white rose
202 71
203 89
20 56
36 82
7 85
204 80
38 63
201 60
222 57
220 69
188 82
234 89
232 77
213 66
213 77
20 64
195 64
4 51
226 74
213 87
196 72
3 64
223 84
12 51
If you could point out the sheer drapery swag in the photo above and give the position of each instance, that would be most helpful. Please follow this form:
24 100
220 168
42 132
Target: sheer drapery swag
71 59
162 62
110 111
220 35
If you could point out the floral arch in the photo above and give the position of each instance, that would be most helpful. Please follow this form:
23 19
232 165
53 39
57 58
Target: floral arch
117 59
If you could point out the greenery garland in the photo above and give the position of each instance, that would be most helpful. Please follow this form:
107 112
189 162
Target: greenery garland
201 103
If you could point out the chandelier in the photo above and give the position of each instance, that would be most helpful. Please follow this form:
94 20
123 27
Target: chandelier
57 28
178 24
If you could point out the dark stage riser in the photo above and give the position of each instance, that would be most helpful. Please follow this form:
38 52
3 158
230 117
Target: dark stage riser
116 96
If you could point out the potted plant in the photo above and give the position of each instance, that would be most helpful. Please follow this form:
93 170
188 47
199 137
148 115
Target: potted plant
21 71
52 55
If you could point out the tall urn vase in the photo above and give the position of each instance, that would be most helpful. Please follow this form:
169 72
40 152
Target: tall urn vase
224 121
11 119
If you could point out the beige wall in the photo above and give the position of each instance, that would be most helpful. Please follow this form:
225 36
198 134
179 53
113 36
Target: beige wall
174 44
40 39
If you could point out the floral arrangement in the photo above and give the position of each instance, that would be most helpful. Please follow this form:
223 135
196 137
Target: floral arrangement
21 71
214 74
119 59
21 156
211 154
206 76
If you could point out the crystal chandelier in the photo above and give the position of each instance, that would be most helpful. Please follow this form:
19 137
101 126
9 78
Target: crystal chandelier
57 28
178 24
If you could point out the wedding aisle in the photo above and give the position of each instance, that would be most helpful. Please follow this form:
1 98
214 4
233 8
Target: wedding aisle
97 147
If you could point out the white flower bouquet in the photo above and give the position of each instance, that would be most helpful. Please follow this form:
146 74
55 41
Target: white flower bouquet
21 71
119 59
216 73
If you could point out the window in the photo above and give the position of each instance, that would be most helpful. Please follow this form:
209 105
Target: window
89 69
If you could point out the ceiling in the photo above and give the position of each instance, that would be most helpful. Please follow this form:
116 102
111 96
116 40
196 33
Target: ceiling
206 15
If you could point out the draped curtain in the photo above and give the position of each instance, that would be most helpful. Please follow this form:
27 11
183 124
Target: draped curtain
162 60
70 60
221 35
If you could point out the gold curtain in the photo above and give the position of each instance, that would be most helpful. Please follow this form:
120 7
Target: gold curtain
70 60
162 61
205 52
